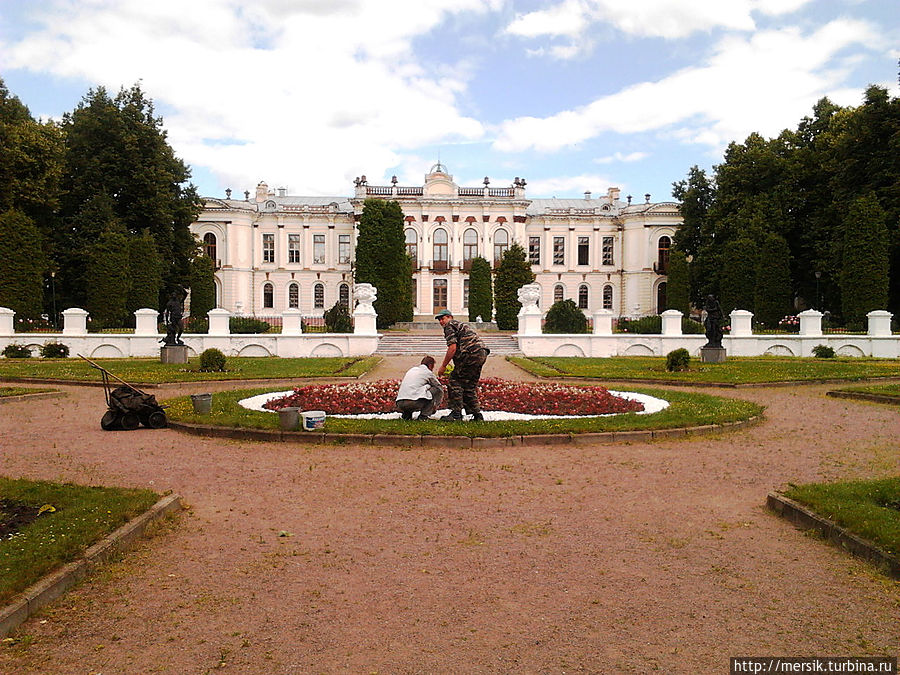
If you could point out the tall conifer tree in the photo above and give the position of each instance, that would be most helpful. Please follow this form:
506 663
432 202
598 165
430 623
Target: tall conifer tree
513 273
481 294
381 260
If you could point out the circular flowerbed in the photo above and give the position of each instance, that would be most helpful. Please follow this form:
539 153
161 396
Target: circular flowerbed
529 398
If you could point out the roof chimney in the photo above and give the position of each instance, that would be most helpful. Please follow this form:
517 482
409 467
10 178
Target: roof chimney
587 194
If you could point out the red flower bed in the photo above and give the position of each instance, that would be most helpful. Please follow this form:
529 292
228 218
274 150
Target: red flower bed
534 398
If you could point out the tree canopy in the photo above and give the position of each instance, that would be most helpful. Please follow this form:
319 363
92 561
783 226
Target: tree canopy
513 273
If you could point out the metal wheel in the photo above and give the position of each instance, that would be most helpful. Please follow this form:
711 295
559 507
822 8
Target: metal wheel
156 420
110 420
130 421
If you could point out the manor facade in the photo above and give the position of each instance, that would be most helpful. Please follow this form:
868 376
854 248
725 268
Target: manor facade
274 251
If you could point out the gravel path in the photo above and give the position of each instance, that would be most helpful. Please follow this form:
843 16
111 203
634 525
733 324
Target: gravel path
318 559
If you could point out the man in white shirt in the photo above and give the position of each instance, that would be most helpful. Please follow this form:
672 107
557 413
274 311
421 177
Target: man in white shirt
420 391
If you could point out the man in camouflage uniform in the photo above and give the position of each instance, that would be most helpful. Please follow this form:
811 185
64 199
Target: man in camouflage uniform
468 354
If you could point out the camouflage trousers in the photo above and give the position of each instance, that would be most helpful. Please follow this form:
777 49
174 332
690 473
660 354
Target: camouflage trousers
461 386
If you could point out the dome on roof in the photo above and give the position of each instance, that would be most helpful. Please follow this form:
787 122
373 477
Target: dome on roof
439 168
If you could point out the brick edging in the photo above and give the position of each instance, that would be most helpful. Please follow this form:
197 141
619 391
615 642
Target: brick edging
61 580
434 440
611 383
806 519
864 396
32 397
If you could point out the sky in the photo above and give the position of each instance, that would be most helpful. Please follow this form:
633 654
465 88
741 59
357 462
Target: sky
571 95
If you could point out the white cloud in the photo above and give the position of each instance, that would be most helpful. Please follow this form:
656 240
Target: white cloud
568 185
764 82
317 91
619 157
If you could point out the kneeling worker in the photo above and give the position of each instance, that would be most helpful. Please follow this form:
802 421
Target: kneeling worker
468 354
420 391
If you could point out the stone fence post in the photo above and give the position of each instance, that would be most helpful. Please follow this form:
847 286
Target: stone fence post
603 322
741 323
146 321
7 325
365 316
879 323
291 322
811 323
218 321
74 321
671 322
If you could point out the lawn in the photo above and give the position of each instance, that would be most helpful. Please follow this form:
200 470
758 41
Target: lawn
19 391
735 370
868 508
71 518
892 390
685 410
151 371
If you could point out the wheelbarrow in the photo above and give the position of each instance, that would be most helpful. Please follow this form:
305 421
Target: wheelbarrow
129 407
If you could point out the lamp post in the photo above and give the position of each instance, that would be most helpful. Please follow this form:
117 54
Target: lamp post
818 299
53 296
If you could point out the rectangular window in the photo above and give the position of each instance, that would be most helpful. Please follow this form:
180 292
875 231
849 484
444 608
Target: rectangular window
534 250
268 248
344 249
559 250
319 249
466 293
293 248
439 295
608 251
584 251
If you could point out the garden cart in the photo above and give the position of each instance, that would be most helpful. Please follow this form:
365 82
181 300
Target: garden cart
129 407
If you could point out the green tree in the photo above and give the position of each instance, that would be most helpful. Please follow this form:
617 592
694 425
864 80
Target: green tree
513 273
772 287
107 278
565 317
338 319
22 265
696 235
481 294
864 274
203 287
381 260
737 278
145 273
678 283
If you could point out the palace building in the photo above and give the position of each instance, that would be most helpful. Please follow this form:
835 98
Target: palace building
274 251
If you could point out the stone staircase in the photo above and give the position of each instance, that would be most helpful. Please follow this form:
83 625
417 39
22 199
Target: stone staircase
394 344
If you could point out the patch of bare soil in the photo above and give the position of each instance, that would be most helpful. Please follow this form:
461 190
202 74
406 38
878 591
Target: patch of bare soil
626 558
14 516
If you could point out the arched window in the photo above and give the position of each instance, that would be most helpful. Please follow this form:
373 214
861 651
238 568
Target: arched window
558 293
470 247
607 297
661 298
268 296
294 296
583 296
662 255
319 296
440 250
501 244
344 294
412 246
209 247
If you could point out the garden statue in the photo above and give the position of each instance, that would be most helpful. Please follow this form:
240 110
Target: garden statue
713 322
365 294
529 295
173 317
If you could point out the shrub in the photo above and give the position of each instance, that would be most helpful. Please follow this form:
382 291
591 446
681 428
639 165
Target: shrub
337 319
196 324
14 351
247 324
212 360
678 360
823 352
54 350
565 317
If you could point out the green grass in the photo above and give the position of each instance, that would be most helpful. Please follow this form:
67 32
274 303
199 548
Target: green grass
685 409
151 371
735 370
83 515
892 389
868 508
19 391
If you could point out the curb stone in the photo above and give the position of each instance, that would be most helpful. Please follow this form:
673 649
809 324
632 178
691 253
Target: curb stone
61 580
865 396
32 397
803 518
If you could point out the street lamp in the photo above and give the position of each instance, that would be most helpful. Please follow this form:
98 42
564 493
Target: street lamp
818 298
53 295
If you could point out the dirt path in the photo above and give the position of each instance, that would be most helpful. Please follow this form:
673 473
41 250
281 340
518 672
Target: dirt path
606 559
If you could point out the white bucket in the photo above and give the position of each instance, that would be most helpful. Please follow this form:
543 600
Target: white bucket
313 419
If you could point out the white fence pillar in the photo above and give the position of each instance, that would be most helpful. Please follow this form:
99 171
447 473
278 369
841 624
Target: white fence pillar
146 321
7 318
529 313
741 323
218 321
810 323
879 323
74 321
603 322
671 322
290 322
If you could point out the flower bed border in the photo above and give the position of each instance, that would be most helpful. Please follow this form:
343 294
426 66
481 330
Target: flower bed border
865 396
444 441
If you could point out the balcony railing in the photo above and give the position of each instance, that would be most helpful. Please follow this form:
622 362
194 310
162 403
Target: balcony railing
440 265
661 267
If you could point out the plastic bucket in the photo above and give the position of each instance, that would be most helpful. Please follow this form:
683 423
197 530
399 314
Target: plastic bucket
313 419
289 418
202 403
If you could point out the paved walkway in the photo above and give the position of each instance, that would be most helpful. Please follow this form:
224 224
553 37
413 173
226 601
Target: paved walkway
627 558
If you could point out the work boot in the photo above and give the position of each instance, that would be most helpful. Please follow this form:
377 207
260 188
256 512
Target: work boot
453 416
478 417
407 415
422 417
